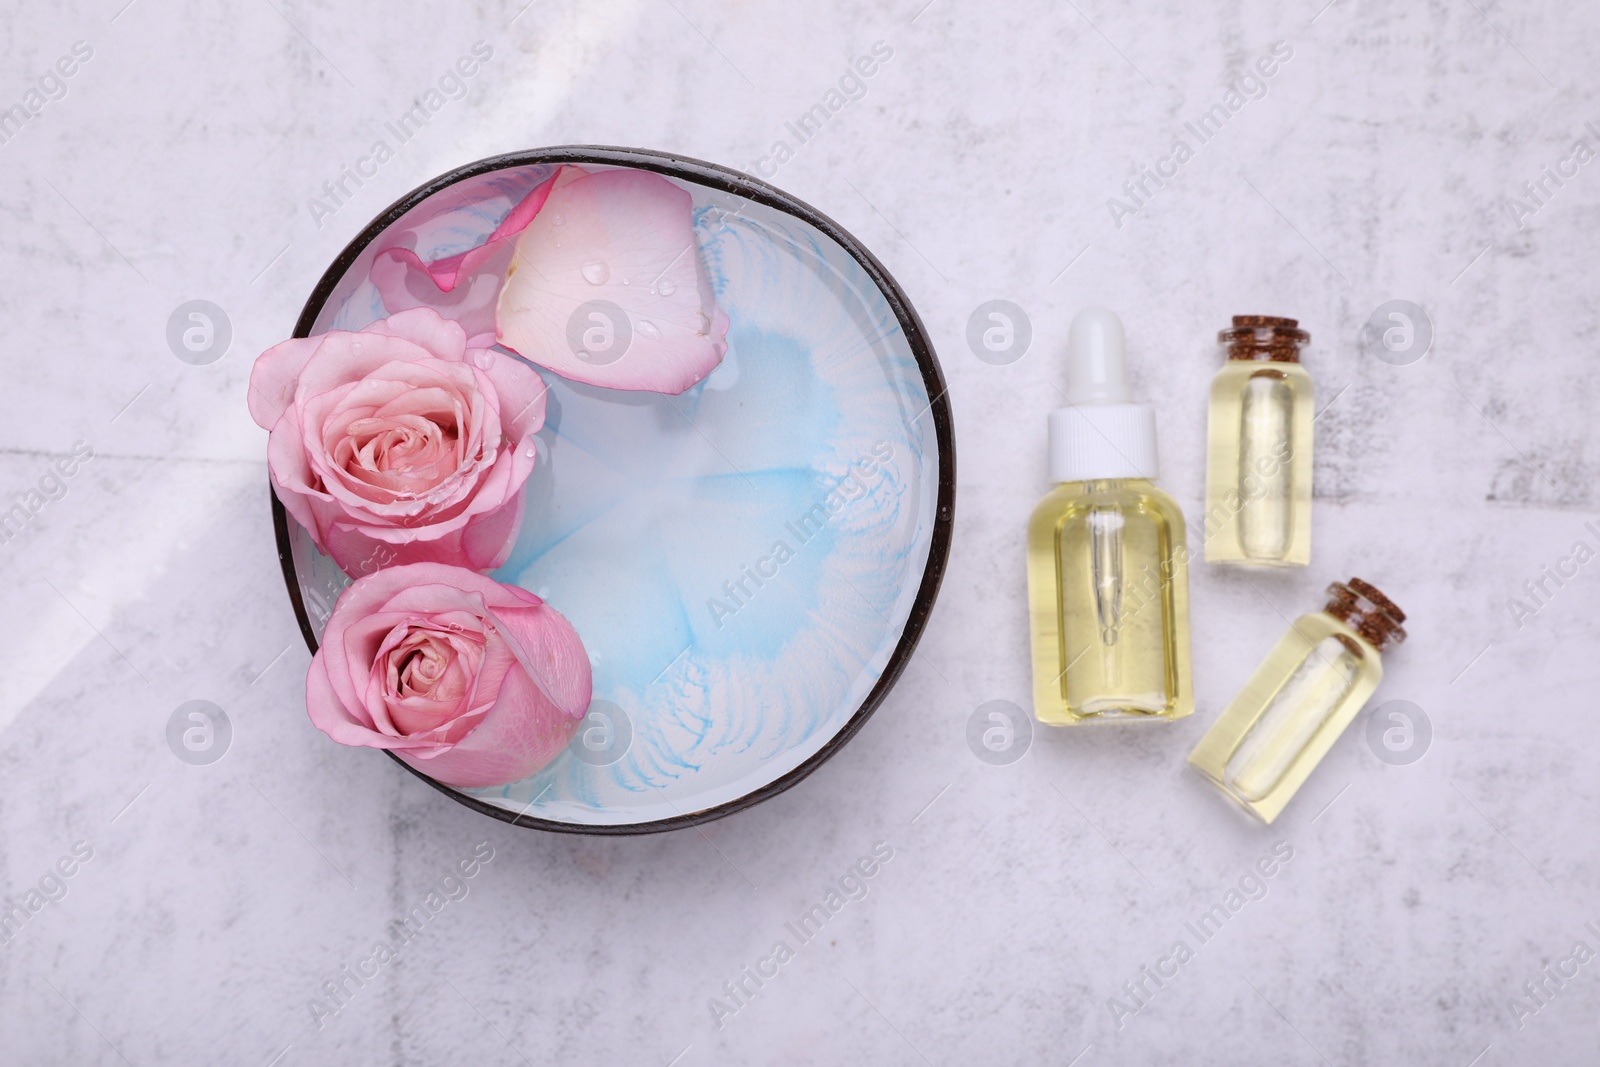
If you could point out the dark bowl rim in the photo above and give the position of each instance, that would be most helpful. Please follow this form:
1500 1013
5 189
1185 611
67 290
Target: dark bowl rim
756 191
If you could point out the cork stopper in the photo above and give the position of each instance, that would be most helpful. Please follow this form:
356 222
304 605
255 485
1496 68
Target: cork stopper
1360 606
1264 337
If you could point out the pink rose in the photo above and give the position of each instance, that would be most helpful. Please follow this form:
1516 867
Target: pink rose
399 444
471 682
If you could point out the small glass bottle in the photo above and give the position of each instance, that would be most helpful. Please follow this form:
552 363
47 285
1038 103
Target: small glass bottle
1258 460
1293 708
1108 586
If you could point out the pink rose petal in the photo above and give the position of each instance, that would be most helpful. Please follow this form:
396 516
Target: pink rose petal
625 237
404 281
272 379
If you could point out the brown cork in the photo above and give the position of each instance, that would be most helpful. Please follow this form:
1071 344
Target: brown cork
1264 337
1360 606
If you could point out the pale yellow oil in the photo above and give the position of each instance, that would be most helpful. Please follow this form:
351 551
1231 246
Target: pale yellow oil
1290 712
1108 600
1258 465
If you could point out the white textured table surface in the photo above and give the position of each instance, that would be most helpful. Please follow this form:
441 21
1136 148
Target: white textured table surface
1379 162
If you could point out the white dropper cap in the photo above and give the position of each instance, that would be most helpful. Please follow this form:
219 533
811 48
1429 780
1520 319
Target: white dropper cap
1100 434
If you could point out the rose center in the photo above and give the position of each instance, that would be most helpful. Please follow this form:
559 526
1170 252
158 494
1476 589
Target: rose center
389 447
420 670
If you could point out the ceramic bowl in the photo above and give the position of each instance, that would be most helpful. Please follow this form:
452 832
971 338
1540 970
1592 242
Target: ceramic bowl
750 563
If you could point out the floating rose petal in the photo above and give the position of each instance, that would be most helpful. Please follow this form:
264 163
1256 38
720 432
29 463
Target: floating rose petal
465 286
607 287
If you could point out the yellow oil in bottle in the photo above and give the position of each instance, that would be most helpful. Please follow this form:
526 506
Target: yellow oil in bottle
1258 465
1297 703
1108 597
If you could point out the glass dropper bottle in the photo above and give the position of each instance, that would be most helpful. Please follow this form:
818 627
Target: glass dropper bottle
1108 586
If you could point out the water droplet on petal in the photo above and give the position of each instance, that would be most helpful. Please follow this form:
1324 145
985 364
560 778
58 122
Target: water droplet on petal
532 450
665 287
484 358
596 273
558 220
647 328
